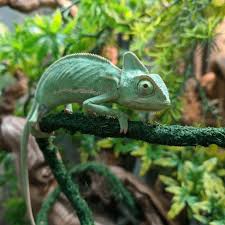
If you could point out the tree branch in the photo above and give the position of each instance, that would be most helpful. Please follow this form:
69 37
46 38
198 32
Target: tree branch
174 135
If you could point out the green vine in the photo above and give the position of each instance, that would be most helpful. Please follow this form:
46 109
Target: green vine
116 187
63 178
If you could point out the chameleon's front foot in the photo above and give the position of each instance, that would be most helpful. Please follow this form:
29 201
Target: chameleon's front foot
123 121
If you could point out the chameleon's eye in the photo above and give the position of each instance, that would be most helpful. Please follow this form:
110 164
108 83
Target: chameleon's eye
145 87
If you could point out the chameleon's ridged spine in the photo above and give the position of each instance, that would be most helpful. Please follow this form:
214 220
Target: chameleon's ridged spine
77 72
92 56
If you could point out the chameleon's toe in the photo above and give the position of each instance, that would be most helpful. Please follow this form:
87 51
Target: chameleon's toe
123 120
123 130
68 111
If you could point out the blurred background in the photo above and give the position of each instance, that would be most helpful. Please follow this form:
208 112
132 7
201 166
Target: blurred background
183 41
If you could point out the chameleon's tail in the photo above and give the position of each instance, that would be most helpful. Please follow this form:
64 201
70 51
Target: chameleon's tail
31 118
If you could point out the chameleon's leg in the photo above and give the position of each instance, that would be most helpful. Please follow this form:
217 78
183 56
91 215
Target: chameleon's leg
68 109
95 105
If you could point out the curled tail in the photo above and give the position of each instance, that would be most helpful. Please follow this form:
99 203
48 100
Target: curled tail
31 119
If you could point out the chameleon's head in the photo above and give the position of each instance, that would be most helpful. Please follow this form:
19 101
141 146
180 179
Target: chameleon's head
140 90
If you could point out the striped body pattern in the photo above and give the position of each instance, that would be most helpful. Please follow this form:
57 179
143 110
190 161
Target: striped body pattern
92 81
75 78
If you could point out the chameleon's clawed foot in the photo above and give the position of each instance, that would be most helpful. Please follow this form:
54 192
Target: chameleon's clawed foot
67 111
123 120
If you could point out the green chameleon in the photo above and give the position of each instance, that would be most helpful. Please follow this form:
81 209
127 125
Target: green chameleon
92 81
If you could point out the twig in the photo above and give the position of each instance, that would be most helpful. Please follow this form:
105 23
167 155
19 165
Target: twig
174 135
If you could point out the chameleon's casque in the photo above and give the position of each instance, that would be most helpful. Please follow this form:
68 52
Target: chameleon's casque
92 81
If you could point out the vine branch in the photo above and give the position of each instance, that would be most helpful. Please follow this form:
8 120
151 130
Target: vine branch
173 135
69 188
116 186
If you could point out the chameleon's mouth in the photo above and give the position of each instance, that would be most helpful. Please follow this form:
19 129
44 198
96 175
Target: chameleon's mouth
149 106
167 103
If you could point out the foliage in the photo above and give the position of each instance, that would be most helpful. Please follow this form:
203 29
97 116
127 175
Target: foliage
194 176
165 35
14 206
15 210
38 41
197 183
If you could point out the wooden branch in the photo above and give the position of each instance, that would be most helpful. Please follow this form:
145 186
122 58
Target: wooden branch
174 135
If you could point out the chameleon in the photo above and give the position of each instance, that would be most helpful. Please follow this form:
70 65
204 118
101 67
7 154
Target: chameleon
93 82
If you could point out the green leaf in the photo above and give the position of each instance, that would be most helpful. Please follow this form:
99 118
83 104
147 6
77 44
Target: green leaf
140 151
221 172
105 143
199 207
174 190
218 3
213 186
145 166
15 211
42 51
165 162
56 22
175 209
210 164
201 218
168 180
218 222
70 26
39 21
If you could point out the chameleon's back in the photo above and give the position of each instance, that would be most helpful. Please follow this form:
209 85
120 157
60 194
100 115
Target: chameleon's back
76 78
